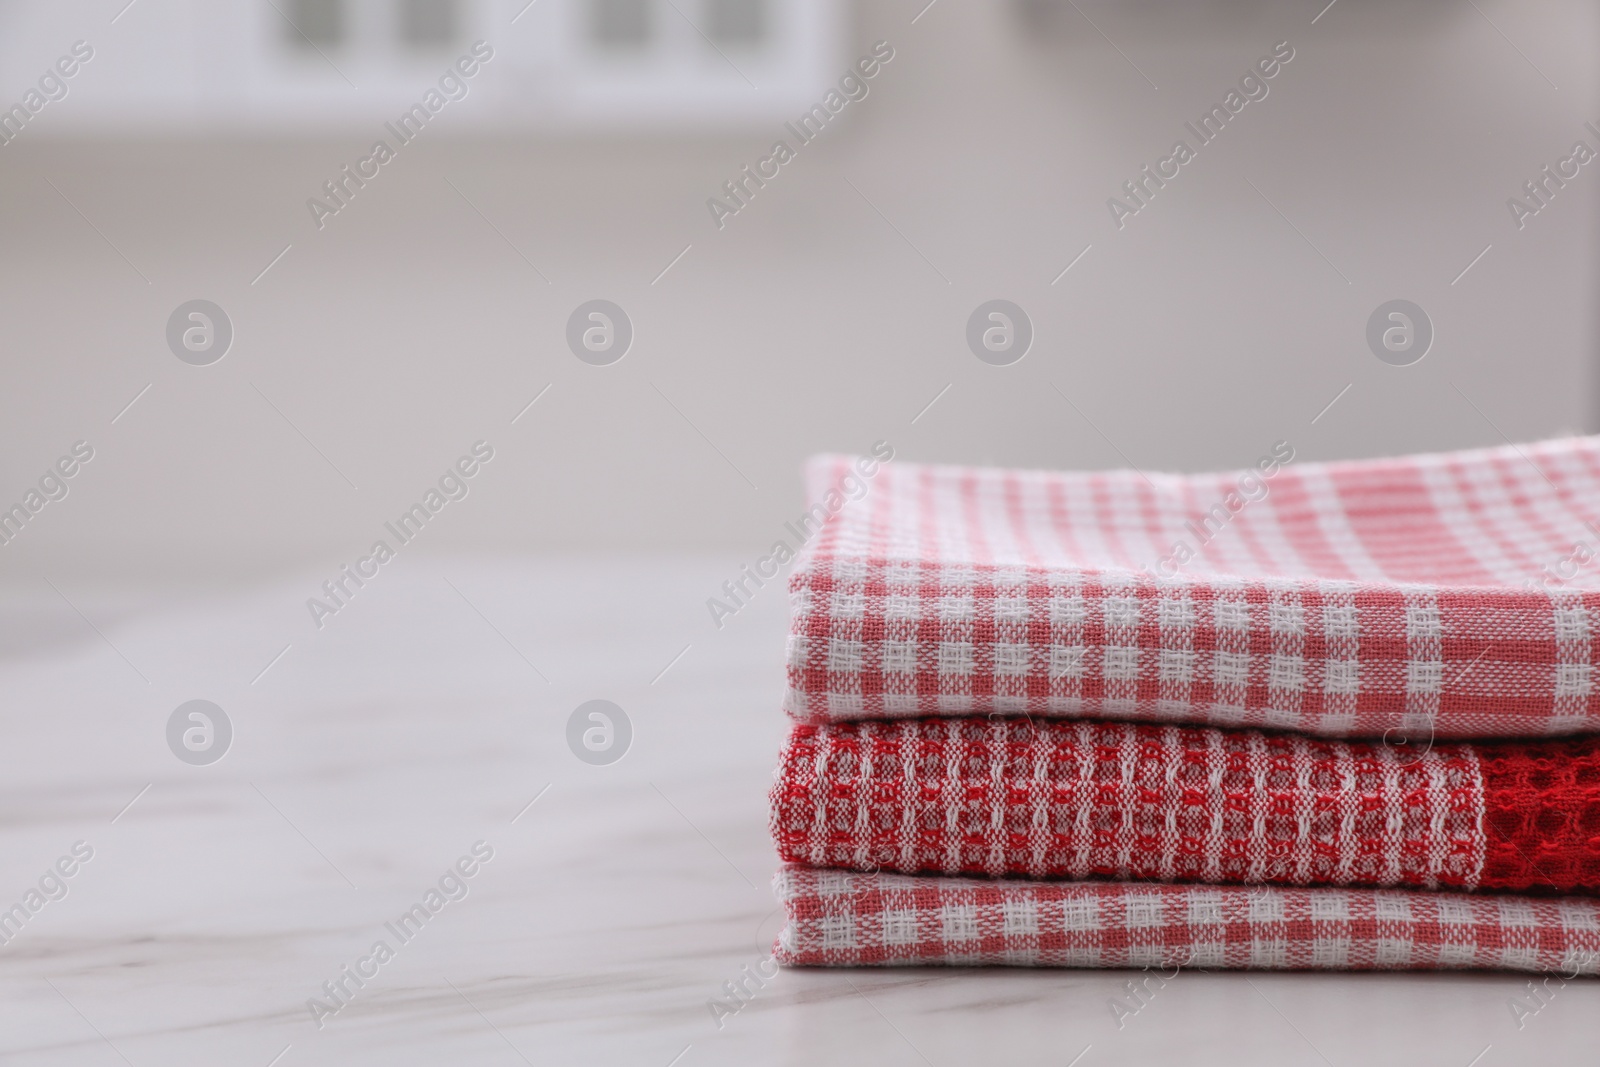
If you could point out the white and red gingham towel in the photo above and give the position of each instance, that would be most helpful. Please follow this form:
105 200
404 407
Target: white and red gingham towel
1136 802
1453 595
840 919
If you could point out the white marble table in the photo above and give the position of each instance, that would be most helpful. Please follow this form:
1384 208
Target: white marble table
375 752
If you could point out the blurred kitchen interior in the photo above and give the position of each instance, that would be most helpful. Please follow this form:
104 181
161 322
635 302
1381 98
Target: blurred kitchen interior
824 315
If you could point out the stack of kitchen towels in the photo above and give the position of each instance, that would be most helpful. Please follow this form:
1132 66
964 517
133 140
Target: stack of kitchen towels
1333 716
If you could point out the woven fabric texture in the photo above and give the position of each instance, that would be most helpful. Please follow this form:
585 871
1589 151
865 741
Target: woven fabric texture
1541 815
1042 799
1449 595
839 919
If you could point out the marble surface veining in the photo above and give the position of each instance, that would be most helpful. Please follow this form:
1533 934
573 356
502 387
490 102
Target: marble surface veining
423 719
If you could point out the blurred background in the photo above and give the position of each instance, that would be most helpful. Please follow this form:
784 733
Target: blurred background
373 345
369 316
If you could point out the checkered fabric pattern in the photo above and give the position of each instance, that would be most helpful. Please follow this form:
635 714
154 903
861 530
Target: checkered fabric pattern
1116 800
1453 595
1010 797
837 919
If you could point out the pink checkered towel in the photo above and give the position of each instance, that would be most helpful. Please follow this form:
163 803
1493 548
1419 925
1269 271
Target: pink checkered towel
840 919
1449 595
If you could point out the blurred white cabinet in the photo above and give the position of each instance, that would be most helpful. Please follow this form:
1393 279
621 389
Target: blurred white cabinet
304 66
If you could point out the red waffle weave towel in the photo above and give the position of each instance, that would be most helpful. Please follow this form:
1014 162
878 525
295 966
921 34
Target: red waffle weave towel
1451 593
836 919
1135 802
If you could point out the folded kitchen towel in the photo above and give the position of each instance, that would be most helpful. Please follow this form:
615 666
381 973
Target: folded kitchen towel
1134 802
839 919
1453 592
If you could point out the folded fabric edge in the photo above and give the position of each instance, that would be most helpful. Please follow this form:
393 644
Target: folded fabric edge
827 569
1049 800
843 919
1516 662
